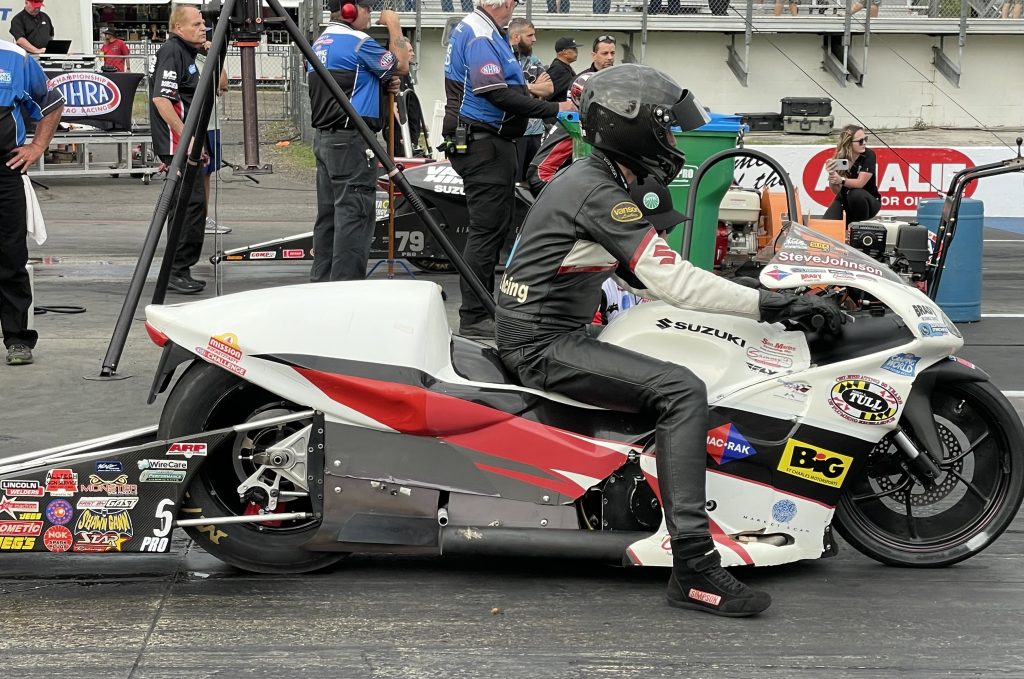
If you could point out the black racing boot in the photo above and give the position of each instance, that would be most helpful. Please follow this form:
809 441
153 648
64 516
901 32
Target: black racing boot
698 581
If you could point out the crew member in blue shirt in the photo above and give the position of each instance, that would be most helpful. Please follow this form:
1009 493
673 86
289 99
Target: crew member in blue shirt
24 95
488 106
346 171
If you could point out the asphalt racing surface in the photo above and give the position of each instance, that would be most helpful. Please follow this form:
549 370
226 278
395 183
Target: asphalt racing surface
185 615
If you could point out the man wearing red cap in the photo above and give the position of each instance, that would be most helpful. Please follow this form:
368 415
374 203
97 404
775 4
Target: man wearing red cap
32 28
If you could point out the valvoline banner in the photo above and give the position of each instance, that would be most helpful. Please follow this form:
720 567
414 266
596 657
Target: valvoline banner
100 99
905 175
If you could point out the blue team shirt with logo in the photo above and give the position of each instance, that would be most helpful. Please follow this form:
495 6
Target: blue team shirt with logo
479 60
25 92
359 65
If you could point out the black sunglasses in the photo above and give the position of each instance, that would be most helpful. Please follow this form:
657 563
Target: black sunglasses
861 141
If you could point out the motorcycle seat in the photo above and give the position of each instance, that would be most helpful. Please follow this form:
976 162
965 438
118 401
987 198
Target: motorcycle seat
478 362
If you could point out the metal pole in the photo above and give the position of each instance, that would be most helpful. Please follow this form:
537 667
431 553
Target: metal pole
415 66
193 123
643 31
250 120
486 296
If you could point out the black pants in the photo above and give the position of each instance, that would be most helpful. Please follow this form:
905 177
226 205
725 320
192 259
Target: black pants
346 184
858 204
190 240
580 367
488 174
526 148
15 290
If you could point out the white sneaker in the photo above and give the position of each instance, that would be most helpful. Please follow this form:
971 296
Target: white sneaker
214 227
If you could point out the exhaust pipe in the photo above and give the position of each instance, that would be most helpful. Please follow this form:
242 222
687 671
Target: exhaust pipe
442 516
538 543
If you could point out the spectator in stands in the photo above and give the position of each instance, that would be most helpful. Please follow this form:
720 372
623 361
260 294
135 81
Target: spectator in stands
875 4
602 6
1017 4
32 28
522 36
794 7
467 5
560 70
603 55
558 6
114 50
855 189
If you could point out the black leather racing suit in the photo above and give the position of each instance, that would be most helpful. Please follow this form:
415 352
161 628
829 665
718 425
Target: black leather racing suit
583 228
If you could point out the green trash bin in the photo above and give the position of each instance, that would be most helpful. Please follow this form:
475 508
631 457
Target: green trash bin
699 145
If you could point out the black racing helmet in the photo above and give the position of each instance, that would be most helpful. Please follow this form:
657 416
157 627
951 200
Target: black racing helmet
628 111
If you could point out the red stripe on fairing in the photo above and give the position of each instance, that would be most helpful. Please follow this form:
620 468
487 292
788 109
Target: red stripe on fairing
648 237
416 411
565 487
768 485
719 536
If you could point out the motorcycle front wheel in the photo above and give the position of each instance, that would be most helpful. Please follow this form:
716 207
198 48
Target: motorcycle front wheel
887 515
205 398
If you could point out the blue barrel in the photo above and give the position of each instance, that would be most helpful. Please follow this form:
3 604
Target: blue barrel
960 287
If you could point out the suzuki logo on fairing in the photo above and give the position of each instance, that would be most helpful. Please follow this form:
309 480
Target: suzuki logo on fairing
664 323
814 464
518 290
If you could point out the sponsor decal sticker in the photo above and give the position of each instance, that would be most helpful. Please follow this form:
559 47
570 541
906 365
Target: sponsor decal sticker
794 391
814 464
180 465
9 507
106 503
59 512
61 482
26 488
188 449
925 312
760 369
932 329
668 323
784 511
826 260
902 364
651 200
102 531
57 539
117 486
818 245
769 358
726 443
10 544
626 212
263 254
387 60
864 399
23 528
965 363
223 350
109 467
293 254
776 273
161 476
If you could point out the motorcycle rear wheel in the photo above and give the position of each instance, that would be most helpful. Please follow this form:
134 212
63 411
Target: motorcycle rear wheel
431 265
891 518
207 397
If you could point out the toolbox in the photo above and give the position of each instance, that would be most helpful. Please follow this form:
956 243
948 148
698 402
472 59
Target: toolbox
806 106
820 125
762 122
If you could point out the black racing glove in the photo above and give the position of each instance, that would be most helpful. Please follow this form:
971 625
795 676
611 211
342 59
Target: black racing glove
783 306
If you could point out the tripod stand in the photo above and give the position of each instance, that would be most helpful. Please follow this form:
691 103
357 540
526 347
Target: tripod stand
243 20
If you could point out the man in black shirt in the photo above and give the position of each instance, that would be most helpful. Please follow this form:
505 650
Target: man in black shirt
560 70
32 28
174 77
604 54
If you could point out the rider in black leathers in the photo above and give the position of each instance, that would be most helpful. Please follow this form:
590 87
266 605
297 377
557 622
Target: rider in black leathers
583 228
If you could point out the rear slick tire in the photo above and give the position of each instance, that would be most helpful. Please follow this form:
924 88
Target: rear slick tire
890 518
207 397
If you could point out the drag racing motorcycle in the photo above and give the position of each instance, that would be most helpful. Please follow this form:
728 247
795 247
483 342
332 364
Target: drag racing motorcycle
311 421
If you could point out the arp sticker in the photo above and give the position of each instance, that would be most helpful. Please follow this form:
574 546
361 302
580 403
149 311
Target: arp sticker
863 399
626 212
814 464
726 444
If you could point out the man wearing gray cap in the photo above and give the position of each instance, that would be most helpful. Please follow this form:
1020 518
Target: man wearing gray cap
560 70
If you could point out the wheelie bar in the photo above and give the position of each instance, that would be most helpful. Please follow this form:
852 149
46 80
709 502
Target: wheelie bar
115 494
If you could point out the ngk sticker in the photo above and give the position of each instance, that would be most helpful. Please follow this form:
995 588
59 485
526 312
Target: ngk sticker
904 175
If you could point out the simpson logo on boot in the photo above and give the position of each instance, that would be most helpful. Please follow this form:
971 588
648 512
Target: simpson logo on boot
706 597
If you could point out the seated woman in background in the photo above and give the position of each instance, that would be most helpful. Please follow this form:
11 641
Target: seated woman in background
855 188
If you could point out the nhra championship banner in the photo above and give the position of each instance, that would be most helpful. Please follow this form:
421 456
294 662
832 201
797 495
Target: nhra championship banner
905 175
103 100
